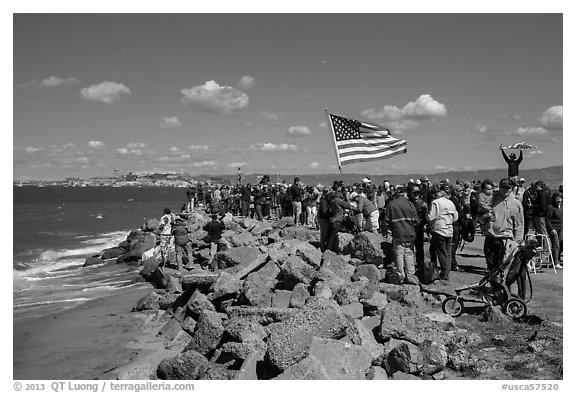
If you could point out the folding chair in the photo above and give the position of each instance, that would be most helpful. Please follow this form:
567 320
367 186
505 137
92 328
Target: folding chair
543 257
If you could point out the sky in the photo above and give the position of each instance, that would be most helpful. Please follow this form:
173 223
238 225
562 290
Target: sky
208 93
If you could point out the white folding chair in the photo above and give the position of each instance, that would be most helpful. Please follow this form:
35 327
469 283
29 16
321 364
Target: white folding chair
543 257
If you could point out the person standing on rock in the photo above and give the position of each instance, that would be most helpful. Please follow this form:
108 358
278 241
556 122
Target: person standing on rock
245 194
513 163
214 237
507 226
337 207
441 216
401 218
181 242
297 193
191 195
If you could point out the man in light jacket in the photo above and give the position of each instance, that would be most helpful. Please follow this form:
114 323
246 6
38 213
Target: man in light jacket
507 229
441 216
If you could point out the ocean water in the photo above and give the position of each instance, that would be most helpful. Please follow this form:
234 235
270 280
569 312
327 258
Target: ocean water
56 228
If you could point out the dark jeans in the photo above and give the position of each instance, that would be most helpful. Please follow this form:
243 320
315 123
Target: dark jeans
528 221
258 208
324 224
556 240
333 236
494 251
455 240
244 206
419 247
442 248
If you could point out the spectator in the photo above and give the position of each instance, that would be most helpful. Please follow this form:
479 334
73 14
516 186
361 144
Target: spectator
245 195
296 192
442 215
520 189
369 212
553 216
191 196
337 207
507 226
401 218
458 201
420 227
528 201
324 218
485 205
543 199
259 200
181 242
285 202
513 163
214 229
165 227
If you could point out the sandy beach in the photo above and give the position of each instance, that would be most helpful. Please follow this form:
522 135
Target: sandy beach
88 342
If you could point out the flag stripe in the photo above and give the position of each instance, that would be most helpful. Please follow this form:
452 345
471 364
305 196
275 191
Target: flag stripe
371 158
357 141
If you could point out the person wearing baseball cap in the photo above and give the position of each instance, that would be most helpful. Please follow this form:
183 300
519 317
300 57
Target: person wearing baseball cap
507 225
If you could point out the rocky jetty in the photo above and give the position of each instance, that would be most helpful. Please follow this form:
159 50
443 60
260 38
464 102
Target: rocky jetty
270 305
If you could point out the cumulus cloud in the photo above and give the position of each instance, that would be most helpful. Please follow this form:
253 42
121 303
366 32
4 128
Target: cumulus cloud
174 149
271 147
31 149
236 164
107 92
271 116
314 165
299 131
199 147
530 131
138 145
54 81
134 149
552 118
96 144
168 123
203 164
212 97
424 108
246 82
179 158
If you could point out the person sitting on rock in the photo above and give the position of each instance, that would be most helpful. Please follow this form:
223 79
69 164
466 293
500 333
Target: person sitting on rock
214 237
181 242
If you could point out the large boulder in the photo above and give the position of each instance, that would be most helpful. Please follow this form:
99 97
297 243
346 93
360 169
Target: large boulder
434 357
366 246
299 296
244 238
340 359
369 271
240 261
262 315
187 365
257 288
261 229
151 225
289 341
113 252
404 357
241 329
295 271
408 295
91 261
337 264
197 304
342 241
208 333
308 368
405 323
309 254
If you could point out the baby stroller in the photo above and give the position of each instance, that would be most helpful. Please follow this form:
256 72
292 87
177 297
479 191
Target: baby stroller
493 290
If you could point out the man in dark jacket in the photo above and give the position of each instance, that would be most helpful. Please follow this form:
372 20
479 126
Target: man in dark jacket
528 201
297 193
337 208
181 241
401 219
543 199
554 226
324 218
458 201
214 237
245 193
420 227
513 163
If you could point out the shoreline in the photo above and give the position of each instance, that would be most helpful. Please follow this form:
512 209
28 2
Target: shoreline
90 342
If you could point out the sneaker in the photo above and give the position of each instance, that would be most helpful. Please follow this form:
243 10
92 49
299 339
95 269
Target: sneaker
558 266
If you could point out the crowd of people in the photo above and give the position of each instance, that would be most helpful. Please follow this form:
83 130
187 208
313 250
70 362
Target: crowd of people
444 214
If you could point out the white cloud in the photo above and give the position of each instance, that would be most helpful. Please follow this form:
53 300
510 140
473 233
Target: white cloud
137 145
271 147
30 149
180 158
314 165
236 164
424 108
168 123
214 98
299 131
174 149
246 82
271 116
107 92
203 164
323 125
96 144
54 81
535 153
199 147
481 128
530 131
552 118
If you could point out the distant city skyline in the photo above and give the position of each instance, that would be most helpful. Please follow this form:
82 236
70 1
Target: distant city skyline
208 93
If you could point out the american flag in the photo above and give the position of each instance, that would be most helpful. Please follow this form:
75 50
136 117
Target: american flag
358 141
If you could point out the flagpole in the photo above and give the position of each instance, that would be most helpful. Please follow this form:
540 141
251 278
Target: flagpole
333 139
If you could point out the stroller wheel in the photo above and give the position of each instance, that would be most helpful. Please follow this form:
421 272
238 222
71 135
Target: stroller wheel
516 308
453 307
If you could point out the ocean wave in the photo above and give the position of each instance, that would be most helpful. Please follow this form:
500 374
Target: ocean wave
49 302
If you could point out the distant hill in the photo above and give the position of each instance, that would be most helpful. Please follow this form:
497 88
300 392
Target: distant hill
551 176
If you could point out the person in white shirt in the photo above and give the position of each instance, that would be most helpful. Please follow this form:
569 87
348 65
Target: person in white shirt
441 216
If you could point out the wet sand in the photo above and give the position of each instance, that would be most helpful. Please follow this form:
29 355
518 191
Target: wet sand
89 342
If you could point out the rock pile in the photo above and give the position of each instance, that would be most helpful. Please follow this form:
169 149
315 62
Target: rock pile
278 308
